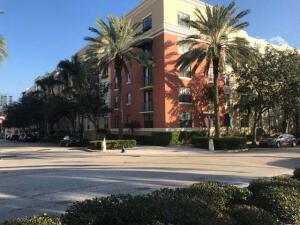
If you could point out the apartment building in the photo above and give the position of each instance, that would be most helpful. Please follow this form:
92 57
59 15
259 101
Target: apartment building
5 100
162 98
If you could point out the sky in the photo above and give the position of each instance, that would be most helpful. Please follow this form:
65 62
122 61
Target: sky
40 33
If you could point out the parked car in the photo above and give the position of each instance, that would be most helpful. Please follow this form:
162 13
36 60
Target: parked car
22 137
8 136
14 137
279 141
68 141
29 138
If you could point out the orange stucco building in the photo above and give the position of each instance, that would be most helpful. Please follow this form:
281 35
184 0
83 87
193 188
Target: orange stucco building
163 99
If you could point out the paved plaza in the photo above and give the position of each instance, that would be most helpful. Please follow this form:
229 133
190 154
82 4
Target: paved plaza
41 178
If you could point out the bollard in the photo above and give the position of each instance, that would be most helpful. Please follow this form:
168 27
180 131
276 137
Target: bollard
211 146
123 149
103 147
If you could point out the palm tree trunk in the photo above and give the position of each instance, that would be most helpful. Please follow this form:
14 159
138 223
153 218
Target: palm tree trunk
216 97
118 68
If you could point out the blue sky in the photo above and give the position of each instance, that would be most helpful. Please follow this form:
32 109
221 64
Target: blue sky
40 33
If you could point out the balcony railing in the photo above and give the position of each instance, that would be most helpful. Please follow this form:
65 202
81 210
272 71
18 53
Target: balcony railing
147 107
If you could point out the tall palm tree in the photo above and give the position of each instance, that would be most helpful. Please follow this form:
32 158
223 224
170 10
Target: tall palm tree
216 38
117 42
3 52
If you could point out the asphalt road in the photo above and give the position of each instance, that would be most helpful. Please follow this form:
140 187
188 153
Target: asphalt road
41 178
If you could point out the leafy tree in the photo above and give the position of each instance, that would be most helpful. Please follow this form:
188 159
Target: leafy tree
216 38
117 42
288 73
270 83
3 52
83 91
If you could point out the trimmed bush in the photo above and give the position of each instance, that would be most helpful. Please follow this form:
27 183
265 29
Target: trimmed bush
220 196
37 220
113 144
264 184
297 174
163 138
202 204
230 143
250 215
280 196
200 142
224 143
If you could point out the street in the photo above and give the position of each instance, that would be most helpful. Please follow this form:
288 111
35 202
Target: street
43 178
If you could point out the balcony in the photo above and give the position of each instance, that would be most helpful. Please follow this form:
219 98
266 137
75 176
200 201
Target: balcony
147 107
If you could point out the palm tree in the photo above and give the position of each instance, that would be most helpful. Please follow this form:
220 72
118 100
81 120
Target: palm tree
215 39
3 52
118 42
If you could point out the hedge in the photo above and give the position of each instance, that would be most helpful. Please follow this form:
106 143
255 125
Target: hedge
113 144
270 201
251 215
225 143
163 138
280 196
36 220
180 206
297 174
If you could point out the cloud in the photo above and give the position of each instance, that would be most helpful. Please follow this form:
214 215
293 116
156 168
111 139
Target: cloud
278 41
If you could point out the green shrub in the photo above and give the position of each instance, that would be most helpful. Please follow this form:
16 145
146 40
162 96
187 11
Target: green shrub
220 195
114 144
297 174
224 143
200 142
264 184
280 196
200 204
281 202
162 138
230 143
37 220
250 215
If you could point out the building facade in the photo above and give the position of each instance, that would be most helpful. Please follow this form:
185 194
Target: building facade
5 100
162 98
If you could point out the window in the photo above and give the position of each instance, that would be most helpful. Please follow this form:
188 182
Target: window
128 78
147 77
182 48
185 119
128 119
106 122
129 99
148 120
185 95
186 74
183 19
116 102
210 75
116 83
147 23
116 122
148 103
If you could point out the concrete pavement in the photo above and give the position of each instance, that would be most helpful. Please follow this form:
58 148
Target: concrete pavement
40 178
